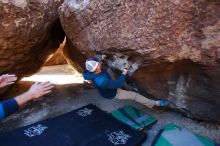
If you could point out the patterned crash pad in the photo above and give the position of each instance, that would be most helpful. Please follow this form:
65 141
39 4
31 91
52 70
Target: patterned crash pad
133 117
87 126
173 135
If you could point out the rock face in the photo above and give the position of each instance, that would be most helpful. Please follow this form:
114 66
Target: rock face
57 58
175 45
29 32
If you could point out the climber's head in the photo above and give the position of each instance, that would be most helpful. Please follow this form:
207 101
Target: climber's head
93 65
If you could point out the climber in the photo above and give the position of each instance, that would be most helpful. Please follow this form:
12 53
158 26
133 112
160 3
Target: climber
9 106
110 89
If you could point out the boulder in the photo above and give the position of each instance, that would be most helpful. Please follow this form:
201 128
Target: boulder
173 46
30 31
56 58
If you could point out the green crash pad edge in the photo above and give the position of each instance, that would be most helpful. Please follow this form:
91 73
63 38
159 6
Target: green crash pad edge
133 117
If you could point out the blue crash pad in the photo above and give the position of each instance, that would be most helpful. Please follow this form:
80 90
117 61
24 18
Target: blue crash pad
86 126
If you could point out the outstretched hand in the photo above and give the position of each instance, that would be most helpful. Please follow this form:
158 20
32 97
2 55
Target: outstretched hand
7 79
39 89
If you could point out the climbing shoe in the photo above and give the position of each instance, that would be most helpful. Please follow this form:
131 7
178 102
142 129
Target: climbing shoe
162 103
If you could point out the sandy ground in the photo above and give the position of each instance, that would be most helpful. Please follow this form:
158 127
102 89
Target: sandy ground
67 97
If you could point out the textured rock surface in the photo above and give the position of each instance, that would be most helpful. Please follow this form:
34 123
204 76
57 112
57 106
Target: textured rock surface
176 45
56 58
29 31
73 56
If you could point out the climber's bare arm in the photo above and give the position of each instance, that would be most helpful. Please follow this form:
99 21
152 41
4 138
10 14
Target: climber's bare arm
37 90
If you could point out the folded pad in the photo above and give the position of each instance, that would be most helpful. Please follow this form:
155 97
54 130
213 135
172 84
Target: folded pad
173 135
133 117
87 126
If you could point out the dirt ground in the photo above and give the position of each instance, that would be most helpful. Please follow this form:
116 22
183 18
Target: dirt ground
67 97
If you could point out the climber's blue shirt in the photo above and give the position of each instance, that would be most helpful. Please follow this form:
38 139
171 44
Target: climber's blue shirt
8 107
103 82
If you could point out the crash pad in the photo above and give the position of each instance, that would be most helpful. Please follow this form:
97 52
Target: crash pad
133 117
86 126
173 135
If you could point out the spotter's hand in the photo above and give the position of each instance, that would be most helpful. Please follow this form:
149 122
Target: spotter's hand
7 79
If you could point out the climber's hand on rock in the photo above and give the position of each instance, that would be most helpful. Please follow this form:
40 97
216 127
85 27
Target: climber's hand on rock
125 71
7 79
103 57
127 66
